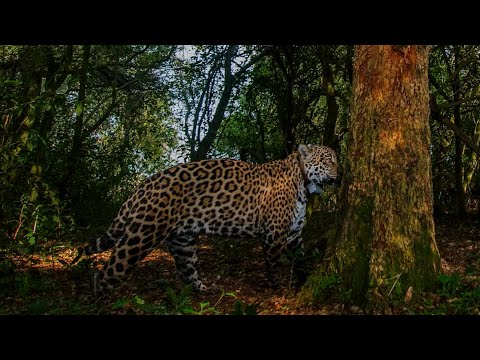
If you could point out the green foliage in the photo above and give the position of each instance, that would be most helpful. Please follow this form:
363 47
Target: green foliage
324 287
68 161
136 305
25 283
40 219
449 285
38 307
207 309
240 308
179 302
455 297
250 135
454 73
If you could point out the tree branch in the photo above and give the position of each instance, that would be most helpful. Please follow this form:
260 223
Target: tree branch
439 88
459 102
136 53
102 118
252 61
459 132
449 124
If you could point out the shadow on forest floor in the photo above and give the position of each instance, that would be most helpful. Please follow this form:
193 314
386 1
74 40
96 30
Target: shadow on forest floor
47 284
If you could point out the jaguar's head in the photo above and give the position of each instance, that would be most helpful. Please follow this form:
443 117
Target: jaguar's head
321 165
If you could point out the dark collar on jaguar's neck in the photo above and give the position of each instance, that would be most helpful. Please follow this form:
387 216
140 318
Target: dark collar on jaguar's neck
302 171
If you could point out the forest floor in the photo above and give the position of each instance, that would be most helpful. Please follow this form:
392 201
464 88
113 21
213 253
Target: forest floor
46 283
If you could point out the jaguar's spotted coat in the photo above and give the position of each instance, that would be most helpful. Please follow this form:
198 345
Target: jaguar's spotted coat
221 197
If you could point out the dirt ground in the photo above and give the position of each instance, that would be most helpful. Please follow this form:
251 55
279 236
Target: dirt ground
232 268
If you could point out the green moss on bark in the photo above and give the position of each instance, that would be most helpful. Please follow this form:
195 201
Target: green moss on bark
352 262
356 252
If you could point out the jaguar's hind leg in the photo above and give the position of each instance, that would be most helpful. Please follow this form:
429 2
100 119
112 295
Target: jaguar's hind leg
124 257
184 251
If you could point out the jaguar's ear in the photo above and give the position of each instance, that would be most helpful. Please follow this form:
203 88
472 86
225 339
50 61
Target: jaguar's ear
303 150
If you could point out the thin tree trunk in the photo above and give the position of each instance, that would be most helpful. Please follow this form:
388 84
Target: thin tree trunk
230 81
206 143
472 166
56 73
385 241
286 119
285 105
77 143
329 138
459 145
349 63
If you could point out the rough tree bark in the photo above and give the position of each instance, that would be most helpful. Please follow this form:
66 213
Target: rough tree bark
385 241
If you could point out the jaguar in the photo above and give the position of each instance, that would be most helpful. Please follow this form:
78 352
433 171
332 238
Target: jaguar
225 197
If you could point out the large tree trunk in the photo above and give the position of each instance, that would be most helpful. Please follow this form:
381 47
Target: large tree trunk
385 240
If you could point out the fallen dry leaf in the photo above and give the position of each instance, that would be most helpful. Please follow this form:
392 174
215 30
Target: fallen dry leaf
408 294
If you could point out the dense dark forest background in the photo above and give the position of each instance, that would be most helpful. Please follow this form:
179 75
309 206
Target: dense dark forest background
81 125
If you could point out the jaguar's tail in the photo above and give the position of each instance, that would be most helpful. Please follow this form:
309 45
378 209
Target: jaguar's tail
102 243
